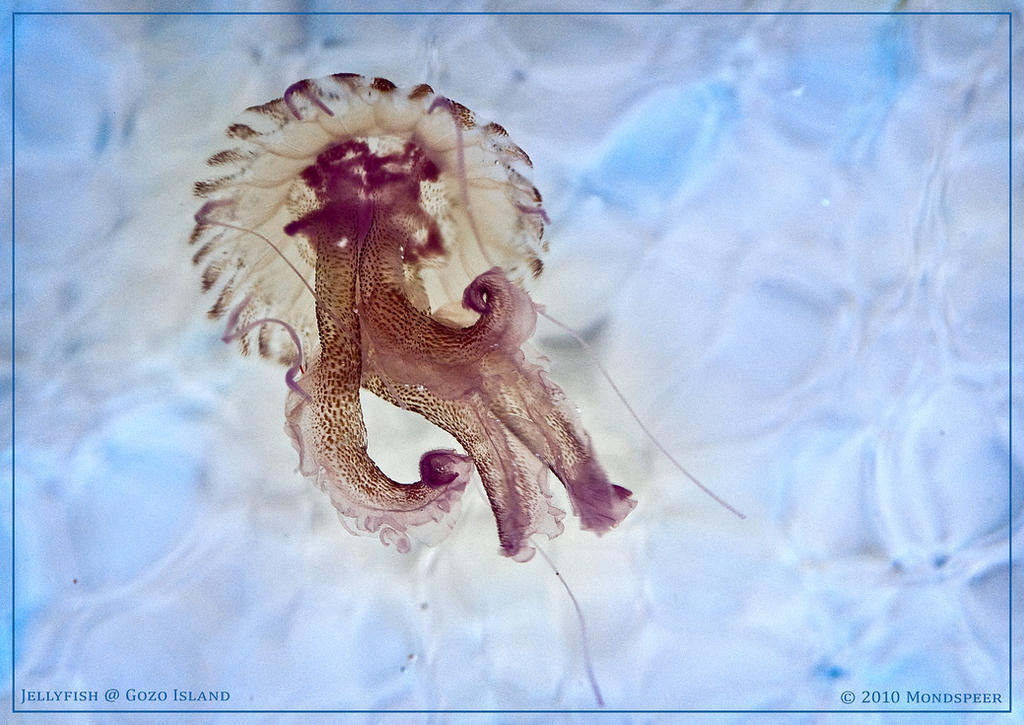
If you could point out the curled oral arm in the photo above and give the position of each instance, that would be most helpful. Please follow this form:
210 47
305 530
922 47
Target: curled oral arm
438 468
498 405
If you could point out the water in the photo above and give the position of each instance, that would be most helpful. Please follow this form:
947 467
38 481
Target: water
786 236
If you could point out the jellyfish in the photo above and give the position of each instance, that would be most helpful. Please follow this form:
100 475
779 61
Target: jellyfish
374 237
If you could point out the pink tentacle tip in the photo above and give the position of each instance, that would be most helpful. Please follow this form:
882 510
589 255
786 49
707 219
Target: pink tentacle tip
231 331
203 215
535 210
293 385
442 467
441 102
304 87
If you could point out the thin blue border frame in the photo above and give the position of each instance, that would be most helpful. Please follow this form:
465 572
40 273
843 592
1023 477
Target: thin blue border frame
13 166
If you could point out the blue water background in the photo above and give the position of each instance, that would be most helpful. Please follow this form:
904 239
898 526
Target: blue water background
785 236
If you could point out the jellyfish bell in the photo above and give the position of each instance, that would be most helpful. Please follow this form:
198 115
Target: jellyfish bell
368 236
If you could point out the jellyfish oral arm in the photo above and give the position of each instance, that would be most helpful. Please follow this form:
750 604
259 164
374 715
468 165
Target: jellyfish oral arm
327 426
476 383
